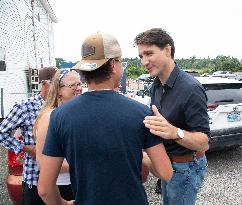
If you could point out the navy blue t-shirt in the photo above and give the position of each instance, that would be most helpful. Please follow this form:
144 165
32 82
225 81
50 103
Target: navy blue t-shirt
101 134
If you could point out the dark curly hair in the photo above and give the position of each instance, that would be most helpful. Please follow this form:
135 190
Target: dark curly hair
99 75
155 36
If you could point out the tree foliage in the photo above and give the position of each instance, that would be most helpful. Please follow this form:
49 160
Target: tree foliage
202 65
225 63
59 61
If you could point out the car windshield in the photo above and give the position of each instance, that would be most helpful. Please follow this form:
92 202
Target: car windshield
224 93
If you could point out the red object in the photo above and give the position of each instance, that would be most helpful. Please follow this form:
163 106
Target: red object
14 178
15 163
14 186
212 106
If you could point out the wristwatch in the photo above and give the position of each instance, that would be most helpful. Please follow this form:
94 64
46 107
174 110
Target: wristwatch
180 133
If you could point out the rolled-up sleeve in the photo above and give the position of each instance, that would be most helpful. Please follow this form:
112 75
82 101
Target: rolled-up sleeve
14 120
195 111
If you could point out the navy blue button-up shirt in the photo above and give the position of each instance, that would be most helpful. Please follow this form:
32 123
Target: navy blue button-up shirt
183 102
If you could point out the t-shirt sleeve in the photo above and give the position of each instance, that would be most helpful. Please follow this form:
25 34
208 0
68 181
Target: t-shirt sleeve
150 140
53 145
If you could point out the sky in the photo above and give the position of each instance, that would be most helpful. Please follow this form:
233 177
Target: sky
201 28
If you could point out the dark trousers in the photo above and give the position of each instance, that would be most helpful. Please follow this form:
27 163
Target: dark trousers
66 192
30 195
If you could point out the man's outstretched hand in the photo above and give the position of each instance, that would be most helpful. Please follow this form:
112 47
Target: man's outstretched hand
159 126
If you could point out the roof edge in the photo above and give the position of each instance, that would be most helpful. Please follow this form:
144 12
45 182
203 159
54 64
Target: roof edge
49 10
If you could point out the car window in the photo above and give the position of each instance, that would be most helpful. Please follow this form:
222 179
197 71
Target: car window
224 93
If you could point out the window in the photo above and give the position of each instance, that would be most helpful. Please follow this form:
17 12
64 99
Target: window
222 94
2 59
34 72
34 79
35 87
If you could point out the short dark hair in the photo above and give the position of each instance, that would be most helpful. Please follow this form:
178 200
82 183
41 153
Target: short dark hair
47 73
156 36
99 75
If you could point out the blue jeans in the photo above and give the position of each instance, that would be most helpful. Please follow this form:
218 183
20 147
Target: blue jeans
187 179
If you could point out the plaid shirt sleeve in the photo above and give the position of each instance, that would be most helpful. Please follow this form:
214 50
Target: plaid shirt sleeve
14 120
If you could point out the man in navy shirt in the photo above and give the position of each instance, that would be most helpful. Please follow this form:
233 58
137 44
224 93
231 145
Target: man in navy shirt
102 136
180 116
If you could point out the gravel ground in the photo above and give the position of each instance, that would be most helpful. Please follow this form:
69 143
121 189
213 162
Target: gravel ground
4 199
222 184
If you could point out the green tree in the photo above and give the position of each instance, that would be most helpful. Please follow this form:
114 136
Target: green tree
59 61
134 72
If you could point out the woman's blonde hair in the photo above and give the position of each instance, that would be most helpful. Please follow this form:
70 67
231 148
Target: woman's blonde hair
52 99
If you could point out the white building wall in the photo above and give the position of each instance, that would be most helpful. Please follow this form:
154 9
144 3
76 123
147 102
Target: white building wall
27 44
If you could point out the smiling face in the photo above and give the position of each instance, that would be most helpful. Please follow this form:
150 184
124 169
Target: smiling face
70 87
155 59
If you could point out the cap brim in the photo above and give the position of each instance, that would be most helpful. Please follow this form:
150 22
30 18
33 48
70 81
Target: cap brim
89 65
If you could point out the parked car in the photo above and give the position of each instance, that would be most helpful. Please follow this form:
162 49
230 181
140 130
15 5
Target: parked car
238 76
224 74
191 72
145 78
224 110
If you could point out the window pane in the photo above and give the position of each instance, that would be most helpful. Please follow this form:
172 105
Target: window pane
224 93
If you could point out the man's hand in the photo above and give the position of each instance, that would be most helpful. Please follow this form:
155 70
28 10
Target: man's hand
30 149
159 126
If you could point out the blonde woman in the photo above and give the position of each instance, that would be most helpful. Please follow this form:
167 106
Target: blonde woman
66 84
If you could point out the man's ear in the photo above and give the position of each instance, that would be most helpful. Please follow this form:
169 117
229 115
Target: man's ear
168 50
112 65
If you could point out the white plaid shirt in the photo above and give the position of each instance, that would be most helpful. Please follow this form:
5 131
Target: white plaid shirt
22 116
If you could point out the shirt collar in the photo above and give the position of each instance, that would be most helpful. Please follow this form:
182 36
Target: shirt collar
171 80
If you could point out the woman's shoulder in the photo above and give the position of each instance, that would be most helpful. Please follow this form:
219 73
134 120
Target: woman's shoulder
45 113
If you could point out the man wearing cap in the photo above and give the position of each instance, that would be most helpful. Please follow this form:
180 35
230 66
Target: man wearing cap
102 135
22 116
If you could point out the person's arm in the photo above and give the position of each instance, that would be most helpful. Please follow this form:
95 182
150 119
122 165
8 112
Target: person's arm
41 131
194 140
14 120
148 164
159 126
159 163
31 150
47 188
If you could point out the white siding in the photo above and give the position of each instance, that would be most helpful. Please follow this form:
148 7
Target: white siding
28 44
